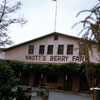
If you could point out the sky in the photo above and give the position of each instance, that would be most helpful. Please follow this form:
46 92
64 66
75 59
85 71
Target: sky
40 16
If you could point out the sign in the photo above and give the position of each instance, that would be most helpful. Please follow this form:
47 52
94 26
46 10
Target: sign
66 78
41 76
58 58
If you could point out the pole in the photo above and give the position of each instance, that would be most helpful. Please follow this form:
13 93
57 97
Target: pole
47 92
55 17
95 95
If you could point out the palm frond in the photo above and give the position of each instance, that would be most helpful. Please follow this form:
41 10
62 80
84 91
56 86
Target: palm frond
76 24
83 30
82 12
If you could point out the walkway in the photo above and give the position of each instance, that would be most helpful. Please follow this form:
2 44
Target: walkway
65 96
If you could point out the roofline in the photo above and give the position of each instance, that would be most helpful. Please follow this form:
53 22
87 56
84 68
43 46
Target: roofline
33 40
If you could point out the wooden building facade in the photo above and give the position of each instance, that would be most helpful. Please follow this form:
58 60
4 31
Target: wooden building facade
53 48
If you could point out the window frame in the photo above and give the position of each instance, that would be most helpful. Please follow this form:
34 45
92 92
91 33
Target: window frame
55 36
82 49
70 49
50 49
60 49
41 49
31 49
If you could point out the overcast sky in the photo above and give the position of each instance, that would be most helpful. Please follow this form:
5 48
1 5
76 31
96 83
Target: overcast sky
40 15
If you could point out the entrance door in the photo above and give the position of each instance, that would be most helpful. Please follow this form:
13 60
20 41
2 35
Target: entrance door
68 83
37 79
25 78
83 83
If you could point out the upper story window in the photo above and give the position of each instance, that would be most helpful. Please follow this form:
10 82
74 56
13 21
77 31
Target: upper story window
31 49
82 49
55 36
60 49
41 49
50 49
70 49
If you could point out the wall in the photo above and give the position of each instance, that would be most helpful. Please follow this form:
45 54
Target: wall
76 82
2 55
21 52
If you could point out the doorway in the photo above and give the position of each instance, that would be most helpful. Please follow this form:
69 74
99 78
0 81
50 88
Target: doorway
68 83
37 79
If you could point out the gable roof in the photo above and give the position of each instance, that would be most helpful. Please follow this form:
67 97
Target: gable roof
42 37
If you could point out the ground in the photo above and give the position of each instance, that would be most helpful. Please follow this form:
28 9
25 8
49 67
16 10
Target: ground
55 95
65 96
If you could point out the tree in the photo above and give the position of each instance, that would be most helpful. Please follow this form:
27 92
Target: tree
91 31
91 24
7 80
7 18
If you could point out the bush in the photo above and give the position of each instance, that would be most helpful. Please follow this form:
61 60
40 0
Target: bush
7 80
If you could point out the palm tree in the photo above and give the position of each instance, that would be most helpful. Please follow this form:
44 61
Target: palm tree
91 32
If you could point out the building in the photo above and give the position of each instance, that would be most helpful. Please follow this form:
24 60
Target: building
2 54
53 48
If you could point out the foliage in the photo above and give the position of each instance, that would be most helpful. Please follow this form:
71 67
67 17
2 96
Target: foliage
7 18
15 65
7 80
91 24
91 31
8 67
92 72
67 66
72 66
20 94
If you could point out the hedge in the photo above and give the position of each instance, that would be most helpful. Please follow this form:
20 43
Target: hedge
20 65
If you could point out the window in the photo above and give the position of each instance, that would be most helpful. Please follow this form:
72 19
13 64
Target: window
82 49
60 49
31 49
70 49
50 49
41 49
52 78
55 36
